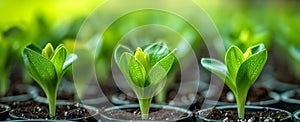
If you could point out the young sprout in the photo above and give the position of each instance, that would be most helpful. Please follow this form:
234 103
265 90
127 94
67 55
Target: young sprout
5 65
47 69
240 71
145 70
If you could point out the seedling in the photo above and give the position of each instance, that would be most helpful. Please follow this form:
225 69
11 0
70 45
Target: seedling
47 69
145 70
5 65
240 71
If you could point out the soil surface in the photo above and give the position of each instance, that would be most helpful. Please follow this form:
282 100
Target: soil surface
229 115
36 110
255 94
154 114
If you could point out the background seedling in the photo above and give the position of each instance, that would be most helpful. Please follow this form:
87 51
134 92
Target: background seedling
239 71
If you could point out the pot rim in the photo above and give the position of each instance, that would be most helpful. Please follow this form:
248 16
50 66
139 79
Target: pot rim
190 113
7 108
286 96
30 90
296 115
246 107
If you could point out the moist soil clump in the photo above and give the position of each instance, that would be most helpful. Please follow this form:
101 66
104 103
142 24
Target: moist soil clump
230 115
158 114
36 110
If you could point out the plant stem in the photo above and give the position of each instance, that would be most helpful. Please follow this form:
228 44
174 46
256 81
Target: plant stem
52 103
3 84
145 107
241 100
161 96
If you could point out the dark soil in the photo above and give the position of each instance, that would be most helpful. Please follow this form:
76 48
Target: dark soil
154 114
36 110
296 96
2 109
230 115
255 94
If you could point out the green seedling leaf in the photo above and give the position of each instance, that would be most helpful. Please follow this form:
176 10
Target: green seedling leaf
40 68
59 58
219 69
143 58
137 72
35 48
69 60
250 70
124 65
48 51
257 48
216 67
160 70
240 71
156 52
119 51
234 58
247 54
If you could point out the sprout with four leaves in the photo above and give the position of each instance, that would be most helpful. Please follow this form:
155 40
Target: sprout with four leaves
240 71
145 70
47 69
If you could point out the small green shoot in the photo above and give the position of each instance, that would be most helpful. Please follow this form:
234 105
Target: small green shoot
5 65
240 71
47 69
145 70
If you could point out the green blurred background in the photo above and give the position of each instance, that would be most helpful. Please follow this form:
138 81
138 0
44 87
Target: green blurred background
276 23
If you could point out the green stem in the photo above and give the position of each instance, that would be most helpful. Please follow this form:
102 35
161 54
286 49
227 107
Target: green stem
3 84
240 100
52 103
145 107
161 96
